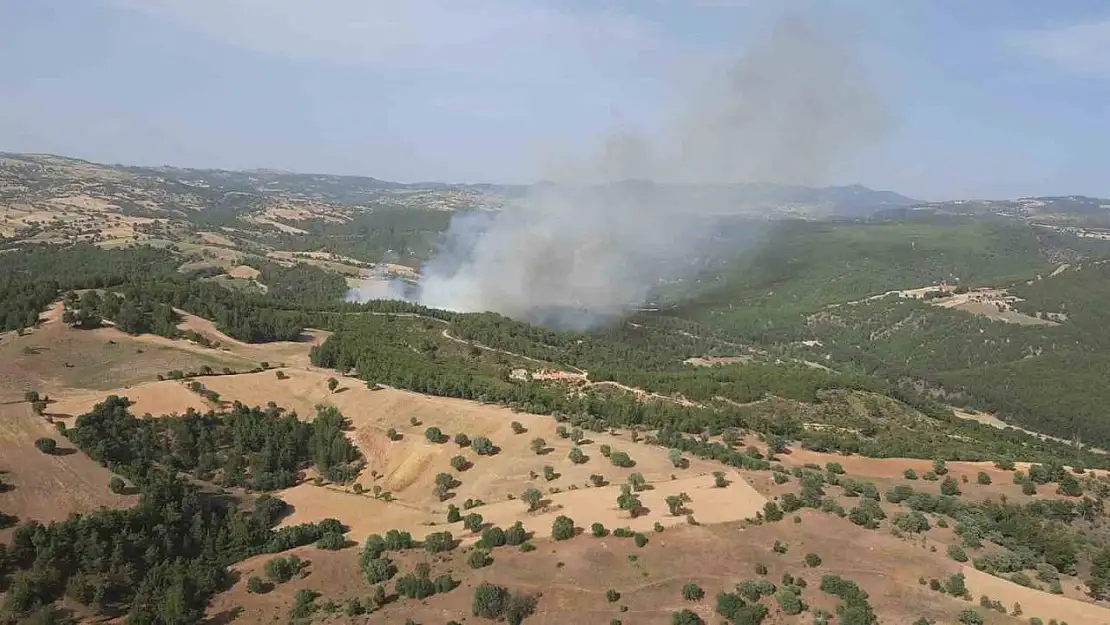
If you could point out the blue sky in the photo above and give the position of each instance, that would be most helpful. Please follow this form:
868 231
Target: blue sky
984 98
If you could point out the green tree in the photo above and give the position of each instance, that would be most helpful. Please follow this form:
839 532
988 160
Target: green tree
435 435
473 522
490 601
983 478
46 445
532 497
950 487
562 528
117 485
478 558
538 445
577 456
333 384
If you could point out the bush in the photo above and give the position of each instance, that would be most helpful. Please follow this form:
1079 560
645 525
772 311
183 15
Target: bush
909 474
983 478
435 435
117 485
492 537
378 570
478 558
957 553
692 592
462 440
46 445
598 530
331 541
835 468
640 539
970 617
621 459
562 528
577 456
719 480
483 446
612 596
256 586
950 487
789 602
283 569
460 463
516 535
438 542
518 428
686 617
813 560
490 601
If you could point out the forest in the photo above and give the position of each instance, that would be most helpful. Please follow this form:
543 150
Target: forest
161 560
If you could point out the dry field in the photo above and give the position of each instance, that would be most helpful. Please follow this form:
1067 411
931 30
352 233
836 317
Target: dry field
45 487
407 468
572 577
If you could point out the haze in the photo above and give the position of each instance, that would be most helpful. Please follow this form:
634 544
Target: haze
986 98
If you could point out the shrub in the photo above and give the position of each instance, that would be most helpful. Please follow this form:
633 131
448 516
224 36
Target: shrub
46 445
621 459
929 476
612 596
516 534
909 474
779 547
538 445
562 528
719 480
256 586
460 463
518 428
640 539
117 485
605 450
478 558
983 478
957 553
435 435
283 569
577 456
331 541
462 440
598 530
483 446
686 617
835 468
950 487
970 617
473 522
789 602
692 592
532 497
940 467
813 560
378 570
438 542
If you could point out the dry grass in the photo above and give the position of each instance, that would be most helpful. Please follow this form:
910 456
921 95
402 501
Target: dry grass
47 487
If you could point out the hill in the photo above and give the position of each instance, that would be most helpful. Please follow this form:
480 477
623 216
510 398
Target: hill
775 443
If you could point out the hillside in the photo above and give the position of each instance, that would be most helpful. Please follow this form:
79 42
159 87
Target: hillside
776 443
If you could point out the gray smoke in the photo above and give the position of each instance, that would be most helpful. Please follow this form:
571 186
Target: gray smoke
578 252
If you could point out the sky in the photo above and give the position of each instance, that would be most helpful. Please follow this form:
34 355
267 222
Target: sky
991 98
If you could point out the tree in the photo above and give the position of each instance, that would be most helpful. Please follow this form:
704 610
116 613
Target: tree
31 396
577 456
637 481
940 467
492 537
462 440
46 445
675 456
333 384
813 560
483 446
612 596
473 522
692 592
549 473
460 463
640 539
283 569
950 487
453 515
516 534
686 617
598 530
538 445
970 617
532 497
435 435
438 542
957 553
621 459
378 570
562 528
719 480
518 428
256 586
983 478
675 504
490 601
910 474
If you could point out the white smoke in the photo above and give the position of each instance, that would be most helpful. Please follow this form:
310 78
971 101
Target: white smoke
579 252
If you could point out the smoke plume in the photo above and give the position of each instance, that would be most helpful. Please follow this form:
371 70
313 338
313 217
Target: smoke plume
579 252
